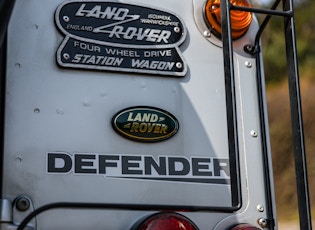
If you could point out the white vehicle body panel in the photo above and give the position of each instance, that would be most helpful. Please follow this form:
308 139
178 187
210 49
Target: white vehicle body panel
52 109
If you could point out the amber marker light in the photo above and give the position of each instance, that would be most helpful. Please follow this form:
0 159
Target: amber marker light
240 20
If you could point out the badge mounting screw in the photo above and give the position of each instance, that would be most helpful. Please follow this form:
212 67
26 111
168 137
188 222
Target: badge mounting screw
176 29
66 18
179 65
66 56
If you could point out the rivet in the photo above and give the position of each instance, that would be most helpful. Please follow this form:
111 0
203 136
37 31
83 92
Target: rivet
176 29
66 18
253 133
86 103
260 208
66 56
248 64
207 33
19 159
179 65
36 110
60 111
262 222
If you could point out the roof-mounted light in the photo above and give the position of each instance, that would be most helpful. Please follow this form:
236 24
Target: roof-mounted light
240 20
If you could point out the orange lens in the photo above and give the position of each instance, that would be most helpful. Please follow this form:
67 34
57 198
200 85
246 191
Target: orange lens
240 20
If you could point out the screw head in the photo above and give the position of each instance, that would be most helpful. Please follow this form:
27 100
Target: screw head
66 18
248 64
22 204
66 56
176 29
179 65
207 33
253 133
262 222
260 208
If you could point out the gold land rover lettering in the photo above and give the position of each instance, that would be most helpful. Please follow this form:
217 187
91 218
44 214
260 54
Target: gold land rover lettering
143 127
145 124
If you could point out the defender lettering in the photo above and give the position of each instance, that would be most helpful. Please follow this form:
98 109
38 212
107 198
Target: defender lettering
148 167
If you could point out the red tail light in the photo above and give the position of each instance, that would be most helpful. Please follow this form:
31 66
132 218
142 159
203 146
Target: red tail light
166 221
244 227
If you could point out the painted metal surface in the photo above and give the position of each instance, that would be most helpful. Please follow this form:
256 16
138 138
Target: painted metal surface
60 145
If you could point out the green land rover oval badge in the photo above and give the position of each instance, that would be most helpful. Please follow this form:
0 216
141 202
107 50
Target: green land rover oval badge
145 124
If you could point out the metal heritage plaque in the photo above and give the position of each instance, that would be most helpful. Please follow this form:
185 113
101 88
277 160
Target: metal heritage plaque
116 36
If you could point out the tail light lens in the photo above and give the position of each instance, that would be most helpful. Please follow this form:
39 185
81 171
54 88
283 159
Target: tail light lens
244 227
240 20
166 221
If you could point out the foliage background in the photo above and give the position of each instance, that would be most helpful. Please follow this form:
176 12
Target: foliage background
278 105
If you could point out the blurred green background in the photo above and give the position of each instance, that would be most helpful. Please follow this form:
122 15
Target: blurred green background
278 103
